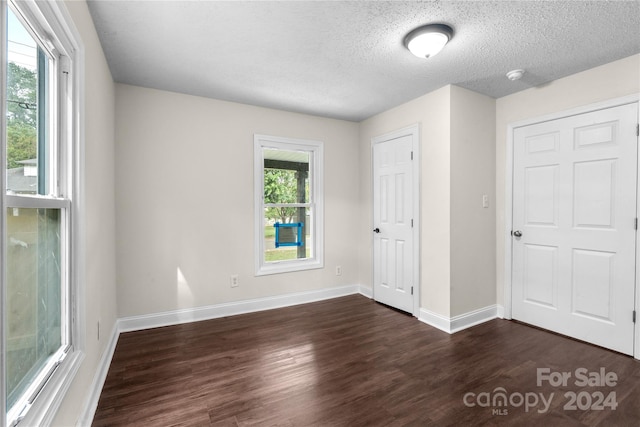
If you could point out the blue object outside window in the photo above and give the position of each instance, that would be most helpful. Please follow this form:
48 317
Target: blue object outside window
288 234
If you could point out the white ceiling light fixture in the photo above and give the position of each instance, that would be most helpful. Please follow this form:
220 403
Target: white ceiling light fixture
428 40
514 75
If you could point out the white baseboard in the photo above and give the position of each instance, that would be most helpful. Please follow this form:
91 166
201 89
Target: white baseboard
91 402
455 324
175 317
366 291
436 320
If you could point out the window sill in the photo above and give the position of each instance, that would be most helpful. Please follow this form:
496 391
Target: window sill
289 266
46 405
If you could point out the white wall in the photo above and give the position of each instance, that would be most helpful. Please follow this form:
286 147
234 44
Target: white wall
457 168
100 291
602 83
431 112
185 202
473 274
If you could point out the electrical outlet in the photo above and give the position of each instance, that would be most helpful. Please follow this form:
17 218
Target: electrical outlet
235 281
338 270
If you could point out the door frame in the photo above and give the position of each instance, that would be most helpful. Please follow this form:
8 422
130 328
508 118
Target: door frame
508 199
414 132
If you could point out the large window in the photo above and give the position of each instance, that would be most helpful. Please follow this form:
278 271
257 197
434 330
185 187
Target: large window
39 214
288 190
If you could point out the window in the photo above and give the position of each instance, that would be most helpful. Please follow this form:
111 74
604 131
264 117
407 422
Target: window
288 191
41 211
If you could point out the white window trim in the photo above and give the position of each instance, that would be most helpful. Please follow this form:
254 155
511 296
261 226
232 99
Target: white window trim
54 19
3 122
317 261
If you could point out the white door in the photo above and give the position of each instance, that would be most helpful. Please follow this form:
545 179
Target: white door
574 215
393 241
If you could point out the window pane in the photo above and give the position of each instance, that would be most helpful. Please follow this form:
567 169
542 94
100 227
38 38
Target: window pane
286 176
288 240
27 79
289 205
34 300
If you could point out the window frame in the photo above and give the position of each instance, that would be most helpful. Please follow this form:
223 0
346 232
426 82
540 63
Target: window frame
316 166
53 26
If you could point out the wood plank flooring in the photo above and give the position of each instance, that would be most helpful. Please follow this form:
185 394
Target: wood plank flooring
352 362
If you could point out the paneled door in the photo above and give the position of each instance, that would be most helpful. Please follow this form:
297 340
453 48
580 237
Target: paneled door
393 241
574 226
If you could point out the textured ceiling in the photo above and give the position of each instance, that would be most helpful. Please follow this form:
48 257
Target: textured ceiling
345 59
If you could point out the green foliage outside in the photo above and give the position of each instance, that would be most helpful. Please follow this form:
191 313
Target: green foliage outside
282 254
21 144
22 115
269 232
280 186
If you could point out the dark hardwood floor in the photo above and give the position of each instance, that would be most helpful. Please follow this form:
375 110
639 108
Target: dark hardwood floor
352 362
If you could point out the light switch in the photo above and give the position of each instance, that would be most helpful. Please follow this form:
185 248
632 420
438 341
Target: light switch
485 201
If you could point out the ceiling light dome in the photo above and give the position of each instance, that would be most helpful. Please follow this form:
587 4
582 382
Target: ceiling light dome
428 40
514 75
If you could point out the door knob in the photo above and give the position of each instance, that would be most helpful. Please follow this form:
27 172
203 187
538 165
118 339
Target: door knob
376 230
517 233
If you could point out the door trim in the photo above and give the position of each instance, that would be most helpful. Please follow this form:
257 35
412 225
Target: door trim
414 132
508 197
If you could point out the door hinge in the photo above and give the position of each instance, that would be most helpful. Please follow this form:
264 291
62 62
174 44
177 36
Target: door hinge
412 155
636 224
638 129
411 222
412 292
634 316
